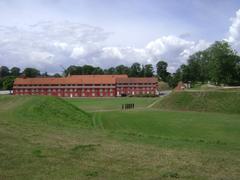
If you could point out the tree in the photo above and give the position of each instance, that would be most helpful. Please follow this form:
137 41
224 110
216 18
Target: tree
8 82
198 67
1 83
57 75
222 61
110 70
135 70
174 78
15 71
162 70
148 70
121 69
98 70
31 72
4 71
87 69
73 70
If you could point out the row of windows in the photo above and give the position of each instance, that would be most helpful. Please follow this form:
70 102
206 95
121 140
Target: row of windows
136 88
72 94
32 85
66 90
135 92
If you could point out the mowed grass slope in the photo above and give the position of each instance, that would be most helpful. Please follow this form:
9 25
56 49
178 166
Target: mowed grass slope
49 138
175 129
96 104
48 110
204 101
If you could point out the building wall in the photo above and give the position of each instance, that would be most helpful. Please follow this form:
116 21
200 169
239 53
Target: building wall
136 89
91 90
67 91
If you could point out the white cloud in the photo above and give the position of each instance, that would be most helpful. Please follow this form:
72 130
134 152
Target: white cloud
48 45
77 52
234 31
174 50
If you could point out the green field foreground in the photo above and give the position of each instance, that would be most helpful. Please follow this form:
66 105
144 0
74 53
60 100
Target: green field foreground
52 138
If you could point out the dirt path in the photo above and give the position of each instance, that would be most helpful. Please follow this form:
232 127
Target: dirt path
155 102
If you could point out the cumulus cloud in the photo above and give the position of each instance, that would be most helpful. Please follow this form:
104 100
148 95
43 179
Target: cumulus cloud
174 50
47 45
234 31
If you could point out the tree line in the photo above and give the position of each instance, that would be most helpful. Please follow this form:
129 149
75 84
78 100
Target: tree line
218 64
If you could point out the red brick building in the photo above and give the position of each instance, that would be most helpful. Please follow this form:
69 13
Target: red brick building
85 86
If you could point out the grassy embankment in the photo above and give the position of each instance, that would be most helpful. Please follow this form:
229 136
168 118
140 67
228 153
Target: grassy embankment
49 138
203 101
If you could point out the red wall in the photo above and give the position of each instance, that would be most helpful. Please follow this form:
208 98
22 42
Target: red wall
85 92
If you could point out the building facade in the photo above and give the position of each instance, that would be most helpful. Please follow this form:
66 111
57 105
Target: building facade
85 86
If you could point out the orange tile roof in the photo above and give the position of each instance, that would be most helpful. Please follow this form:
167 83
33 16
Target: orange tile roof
137 80
75 79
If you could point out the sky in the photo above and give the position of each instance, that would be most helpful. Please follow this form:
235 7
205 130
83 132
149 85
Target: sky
48 34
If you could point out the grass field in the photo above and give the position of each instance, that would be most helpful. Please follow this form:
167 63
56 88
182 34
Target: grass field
51 138
96 104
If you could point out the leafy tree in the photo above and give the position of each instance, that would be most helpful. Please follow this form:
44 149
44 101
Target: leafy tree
162 70
7 82
222 62
57 75
135 70
110 70
148 70
4 71
15 71
31 72
87 69
73 70
121 69
1 83
45 74
98 70
174 78
198 67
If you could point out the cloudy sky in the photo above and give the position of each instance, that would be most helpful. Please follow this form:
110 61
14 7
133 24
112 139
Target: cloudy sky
49 33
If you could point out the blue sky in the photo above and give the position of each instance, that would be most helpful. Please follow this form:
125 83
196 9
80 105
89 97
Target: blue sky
49 33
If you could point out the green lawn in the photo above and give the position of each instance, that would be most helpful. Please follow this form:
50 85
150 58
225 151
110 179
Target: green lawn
95 104
50 138
175 128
